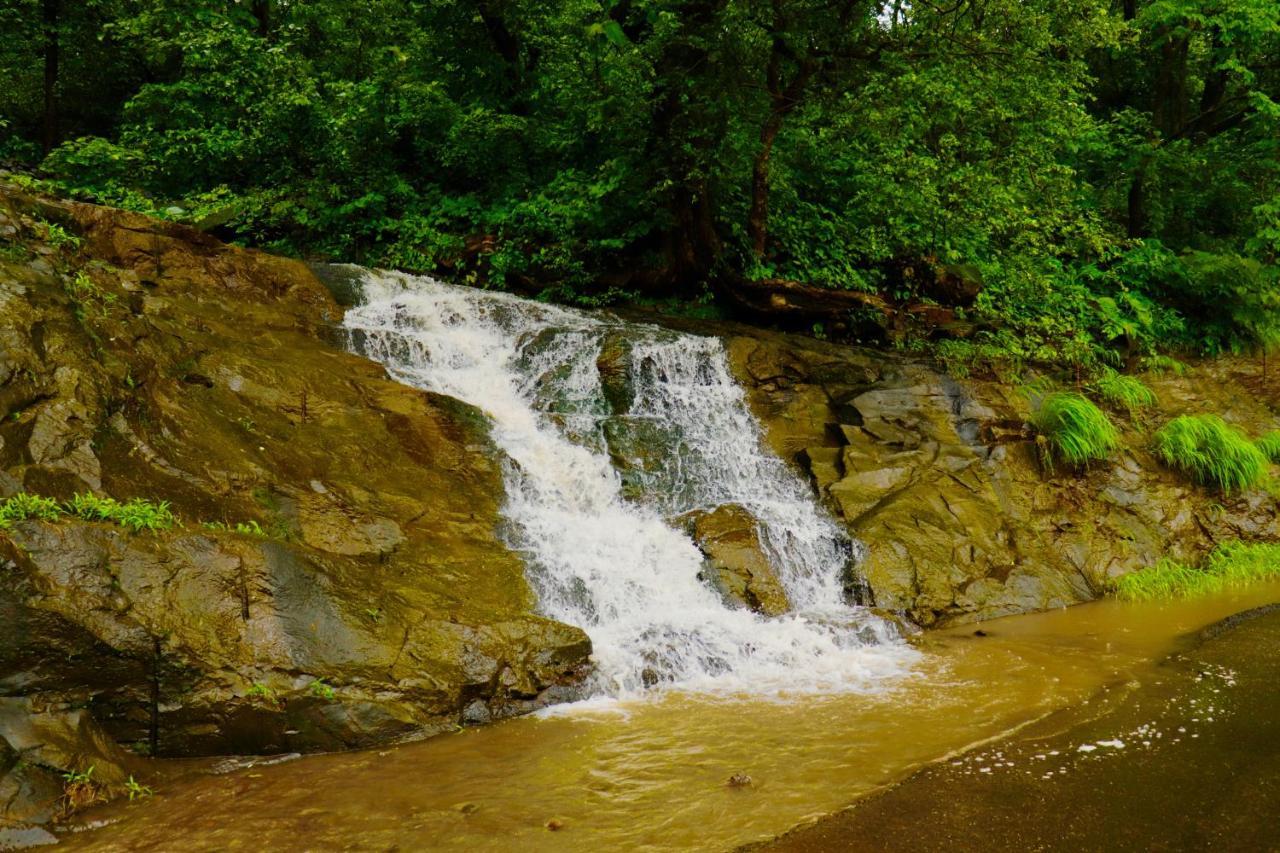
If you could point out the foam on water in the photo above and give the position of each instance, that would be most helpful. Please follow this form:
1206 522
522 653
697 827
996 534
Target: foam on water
601 554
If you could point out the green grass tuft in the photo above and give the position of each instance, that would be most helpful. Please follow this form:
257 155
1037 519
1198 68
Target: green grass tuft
1269 444
23 506
1075 430
1214 453
1124 392
1230 564
136 515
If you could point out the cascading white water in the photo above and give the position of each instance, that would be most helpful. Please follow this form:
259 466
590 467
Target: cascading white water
602 556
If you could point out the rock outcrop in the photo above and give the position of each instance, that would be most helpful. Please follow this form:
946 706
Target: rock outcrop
737 565
941 479
337 578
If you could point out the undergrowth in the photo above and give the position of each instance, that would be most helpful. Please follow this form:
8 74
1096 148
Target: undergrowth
1075 430
1230 564
1211 451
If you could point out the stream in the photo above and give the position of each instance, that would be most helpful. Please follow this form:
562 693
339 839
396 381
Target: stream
650 773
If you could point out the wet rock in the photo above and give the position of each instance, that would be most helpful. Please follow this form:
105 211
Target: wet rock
210 380
737 564
739 780
939 478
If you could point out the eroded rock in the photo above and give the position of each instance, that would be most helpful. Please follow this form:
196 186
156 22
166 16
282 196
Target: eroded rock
737 564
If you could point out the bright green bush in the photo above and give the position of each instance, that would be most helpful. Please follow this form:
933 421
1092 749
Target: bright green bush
23 506
1074 429
1124 392
1269 444
1214 453
1230 564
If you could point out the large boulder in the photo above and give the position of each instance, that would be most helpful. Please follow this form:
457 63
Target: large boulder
338 577
737 565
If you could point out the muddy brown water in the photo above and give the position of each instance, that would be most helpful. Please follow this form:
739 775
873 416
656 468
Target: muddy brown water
652 775
1189 760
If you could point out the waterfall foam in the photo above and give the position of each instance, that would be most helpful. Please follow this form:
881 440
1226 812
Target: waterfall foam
602 556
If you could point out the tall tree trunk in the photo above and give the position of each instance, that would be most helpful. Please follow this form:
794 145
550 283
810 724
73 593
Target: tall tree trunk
262 13
1169 110
782 100
1138 201
758 217
51 10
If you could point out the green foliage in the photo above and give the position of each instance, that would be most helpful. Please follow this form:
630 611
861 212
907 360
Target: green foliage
262 692
1212 452
136 515
1110 170
321 690
1269 444
1230 564
1123 392
136 790
244 528
23 506
1075 430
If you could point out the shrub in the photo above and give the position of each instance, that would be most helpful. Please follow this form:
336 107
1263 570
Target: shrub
1230 564
1124 392
1269 444
22 506
1214 453
1075 430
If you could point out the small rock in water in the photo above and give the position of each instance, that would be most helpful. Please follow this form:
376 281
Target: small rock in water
739 780
556 824
467 808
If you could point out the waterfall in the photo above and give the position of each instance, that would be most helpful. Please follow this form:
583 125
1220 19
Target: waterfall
599 543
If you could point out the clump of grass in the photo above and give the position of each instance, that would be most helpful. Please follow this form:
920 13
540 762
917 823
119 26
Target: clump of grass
136 515
1230 564
1124 392
1074 429
23 506
1269 444
1214 453
245 528
320 689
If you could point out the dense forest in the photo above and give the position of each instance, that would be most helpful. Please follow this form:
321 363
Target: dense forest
1084 182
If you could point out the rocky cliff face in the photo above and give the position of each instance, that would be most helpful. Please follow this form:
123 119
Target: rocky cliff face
367 594
942 480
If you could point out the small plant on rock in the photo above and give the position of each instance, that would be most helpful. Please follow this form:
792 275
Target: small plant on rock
1124 392
1074 430
80 790
1211 451
135 515
23 506
1269 444
137 790
320 689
